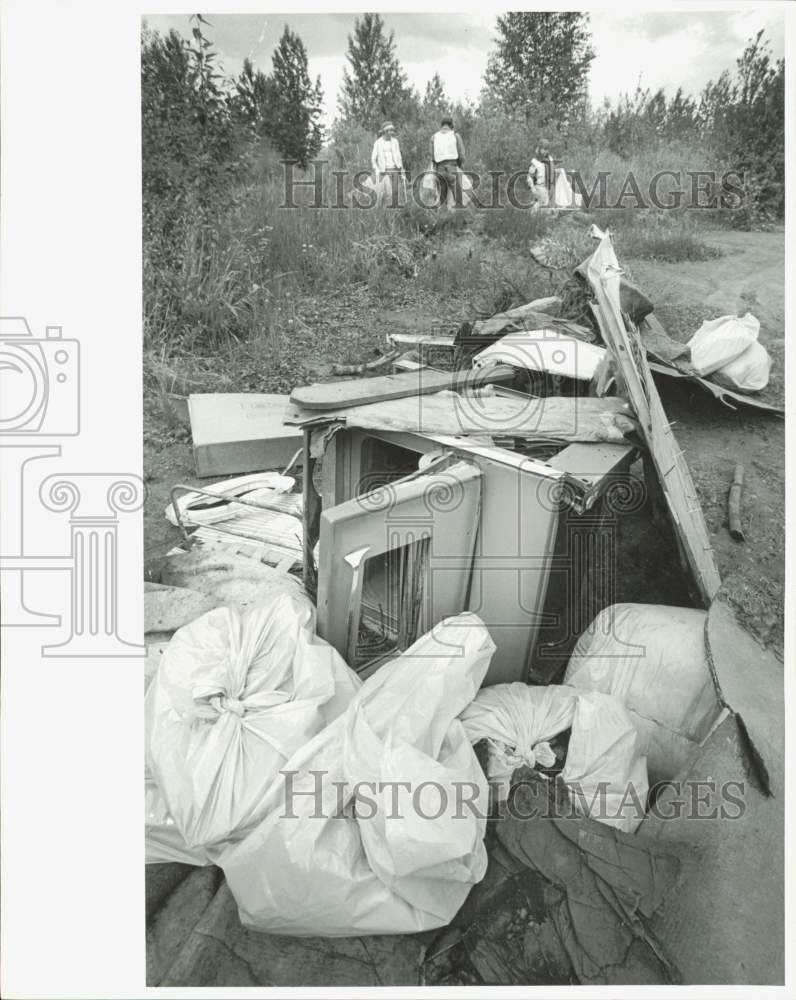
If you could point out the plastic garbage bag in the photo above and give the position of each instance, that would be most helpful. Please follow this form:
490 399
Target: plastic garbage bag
466 186
604 770
719 341
652 658
748 372
234 696
563 195
163 841
517 721
369 829
429 181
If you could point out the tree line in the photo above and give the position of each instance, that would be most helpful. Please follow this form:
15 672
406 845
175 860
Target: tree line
199 128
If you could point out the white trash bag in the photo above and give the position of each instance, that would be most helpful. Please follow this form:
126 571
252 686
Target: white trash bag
719 341
369 830
163 841
605 771
652 658
563 195
518 721
748 372
234 696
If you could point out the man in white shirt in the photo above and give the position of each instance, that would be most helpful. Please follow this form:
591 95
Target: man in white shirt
541 174
387 165
447 158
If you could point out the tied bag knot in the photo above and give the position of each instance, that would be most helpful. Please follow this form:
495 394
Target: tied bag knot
540 754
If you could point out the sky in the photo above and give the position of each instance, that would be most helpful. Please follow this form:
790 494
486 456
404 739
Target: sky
660 49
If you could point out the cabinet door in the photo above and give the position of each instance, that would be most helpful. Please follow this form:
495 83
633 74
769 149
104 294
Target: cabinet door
395 561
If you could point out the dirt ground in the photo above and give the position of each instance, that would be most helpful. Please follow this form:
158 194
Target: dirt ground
749 276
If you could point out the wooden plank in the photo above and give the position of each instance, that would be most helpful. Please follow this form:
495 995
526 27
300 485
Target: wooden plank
603 273
356 392
420 340
556 418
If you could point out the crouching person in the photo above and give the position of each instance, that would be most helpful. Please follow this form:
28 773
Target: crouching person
447 159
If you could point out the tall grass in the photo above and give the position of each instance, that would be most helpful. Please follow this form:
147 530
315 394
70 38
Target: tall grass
222 282
231 274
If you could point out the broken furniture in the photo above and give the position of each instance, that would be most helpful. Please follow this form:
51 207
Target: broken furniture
414 527
256 514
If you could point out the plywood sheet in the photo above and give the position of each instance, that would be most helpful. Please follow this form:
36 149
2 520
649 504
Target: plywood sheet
603 273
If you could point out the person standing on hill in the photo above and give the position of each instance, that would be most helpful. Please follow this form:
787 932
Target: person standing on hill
541 174
447 158
387 164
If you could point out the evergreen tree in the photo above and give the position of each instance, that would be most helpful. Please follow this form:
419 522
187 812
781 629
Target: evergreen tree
542 59
435 99
375 87
253 100
681 116
297 101
715 101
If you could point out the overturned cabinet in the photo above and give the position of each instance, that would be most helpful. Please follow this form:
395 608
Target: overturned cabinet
413 528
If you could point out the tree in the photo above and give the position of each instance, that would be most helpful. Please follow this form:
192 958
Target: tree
375 87
187 137
435 99
715 101
681 116
635 121
743 119
542 58
297 101
757 126
253 100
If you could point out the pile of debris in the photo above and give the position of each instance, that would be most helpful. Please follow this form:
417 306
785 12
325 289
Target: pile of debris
356 711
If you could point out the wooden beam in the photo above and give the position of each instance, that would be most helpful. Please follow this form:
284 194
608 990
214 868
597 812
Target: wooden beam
603 273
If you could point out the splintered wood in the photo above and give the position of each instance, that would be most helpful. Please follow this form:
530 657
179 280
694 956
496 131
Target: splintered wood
603 273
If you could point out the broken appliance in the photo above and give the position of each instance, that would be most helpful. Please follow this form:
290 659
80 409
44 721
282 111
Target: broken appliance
414 528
